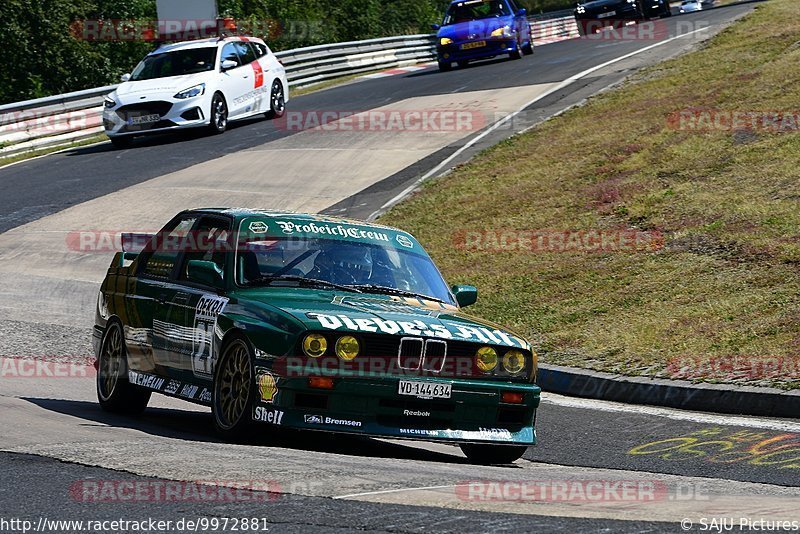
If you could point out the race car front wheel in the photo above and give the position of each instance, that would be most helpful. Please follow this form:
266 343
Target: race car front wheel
219 114
277 101
234 390
114 392
492 454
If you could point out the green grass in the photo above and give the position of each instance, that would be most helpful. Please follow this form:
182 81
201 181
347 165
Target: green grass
726 282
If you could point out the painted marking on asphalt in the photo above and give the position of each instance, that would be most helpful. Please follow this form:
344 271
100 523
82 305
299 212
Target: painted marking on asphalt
498 124
398 490
669 413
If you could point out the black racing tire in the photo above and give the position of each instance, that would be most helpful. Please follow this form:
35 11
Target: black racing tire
516 54
445 66
481 454
463 64
528 49
277 101
114 392
218 114
121 142
234 392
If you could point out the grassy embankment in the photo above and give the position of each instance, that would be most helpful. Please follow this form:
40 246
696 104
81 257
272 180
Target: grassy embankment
725 287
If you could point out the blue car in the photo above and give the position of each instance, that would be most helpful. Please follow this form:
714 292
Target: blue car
482 29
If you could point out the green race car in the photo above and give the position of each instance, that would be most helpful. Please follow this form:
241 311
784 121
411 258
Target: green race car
309 322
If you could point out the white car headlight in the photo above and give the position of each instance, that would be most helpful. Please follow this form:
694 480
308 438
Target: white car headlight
505 31
191 92
109 102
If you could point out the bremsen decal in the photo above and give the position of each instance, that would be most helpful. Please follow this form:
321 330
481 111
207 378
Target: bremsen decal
267 386
418 328
267 415
205 321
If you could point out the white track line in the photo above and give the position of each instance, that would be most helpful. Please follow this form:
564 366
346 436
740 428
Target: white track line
392 491
569 81
677 415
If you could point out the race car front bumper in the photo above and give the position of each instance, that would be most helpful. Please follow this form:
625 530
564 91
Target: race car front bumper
475 413
491 48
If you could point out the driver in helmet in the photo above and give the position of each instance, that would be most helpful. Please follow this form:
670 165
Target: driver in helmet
343 263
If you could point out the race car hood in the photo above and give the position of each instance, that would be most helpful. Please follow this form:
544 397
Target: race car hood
474 29
158 86
367 313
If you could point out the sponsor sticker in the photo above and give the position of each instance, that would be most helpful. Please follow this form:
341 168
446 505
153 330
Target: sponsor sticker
416 413
267 386
267 415
325 420
404 241
145 381
258 227
313 419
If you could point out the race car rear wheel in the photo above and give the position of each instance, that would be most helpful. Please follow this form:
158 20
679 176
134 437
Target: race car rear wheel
277 101
493 454
234 390
219 114
114 392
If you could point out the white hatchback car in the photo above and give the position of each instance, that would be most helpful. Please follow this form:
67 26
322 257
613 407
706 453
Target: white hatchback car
196 83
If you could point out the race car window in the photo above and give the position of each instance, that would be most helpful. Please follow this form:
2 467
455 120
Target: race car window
163 250
177 63
209 241
474 10
245 52
229 53
365 266
260 49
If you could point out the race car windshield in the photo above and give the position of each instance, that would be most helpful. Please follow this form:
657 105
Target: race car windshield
175 63
475 10
365 267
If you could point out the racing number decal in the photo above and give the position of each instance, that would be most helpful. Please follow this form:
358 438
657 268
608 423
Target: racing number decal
205 319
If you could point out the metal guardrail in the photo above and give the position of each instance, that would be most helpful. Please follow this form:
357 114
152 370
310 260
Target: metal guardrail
70 117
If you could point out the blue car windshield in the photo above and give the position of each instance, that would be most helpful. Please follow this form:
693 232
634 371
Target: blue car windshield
177 63
368 267
475 10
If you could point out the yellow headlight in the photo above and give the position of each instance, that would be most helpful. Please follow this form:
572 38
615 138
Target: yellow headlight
513 361
445 41
315 345
502 32
347 347
486 359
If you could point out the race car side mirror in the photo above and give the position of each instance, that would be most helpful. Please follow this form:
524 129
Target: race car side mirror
204 272
125 77
435 27
465 295
522 12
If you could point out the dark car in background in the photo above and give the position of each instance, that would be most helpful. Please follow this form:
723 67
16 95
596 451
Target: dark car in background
595 15
482 29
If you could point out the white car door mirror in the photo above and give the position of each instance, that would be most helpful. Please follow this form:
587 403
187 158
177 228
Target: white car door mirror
125 77
228 64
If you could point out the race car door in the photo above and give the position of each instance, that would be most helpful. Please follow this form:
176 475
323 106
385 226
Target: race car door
205 301
235 82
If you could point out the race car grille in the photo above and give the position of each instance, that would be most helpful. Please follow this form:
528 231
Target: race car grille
144 108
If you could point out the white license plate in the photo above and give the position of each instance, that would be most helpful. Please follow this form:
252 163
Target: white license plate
604 15
424 390
144 119
475 44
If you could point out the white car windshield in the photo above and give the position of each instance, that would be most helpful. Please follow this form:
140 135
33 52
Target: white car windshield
176 63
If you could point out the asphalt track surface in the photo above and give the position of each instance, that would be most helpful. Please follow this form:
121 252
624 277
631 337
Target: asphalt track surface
704 465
